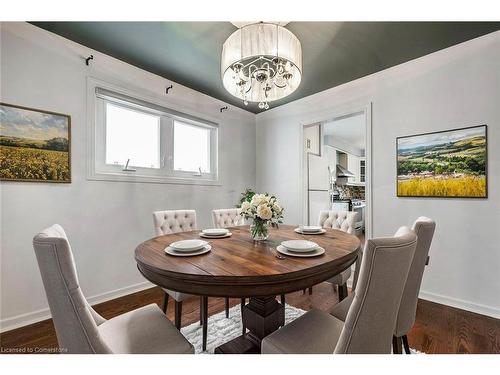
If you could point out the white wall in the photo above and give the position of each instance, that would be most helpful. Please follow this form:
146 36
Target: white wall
452 88
104 220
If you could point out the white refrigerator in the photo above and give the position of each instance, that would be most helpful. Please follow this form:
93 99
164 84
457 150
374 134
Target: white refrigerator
318 187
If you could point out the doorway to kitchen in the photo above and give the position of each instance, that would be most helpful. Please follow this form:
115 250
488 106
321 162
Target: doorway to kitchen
337 168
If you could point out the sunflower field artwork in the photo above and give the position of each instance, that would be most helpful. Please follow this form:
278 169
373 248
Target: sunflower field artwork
34 145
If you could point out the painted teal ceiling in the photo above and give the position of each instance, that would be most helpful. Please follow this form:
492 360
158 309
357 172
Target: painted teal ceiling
333 52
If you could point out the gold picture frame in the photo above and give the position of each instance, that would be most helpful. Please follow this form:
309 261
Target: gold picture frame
35 145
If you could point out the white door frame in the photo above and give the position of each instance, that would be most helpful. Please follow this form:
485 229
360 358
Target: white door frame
341 112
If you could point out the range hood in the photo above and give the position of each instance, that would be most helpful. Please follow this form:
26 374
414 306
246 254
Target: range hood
342 172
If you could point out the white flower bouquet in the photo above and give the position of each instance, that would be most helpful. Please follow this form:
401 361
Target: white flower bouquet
263 210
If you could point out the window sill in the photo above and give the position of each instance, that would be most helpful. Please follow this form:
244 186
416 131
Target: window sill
134 177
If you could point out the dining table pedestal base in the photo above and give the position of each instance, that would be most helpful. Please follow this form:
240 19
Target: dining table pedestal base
261 316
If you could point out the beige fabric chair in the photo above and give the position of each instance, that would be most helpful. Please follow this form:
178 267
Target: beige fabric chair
424 229
344 221
370 322
227 217
169 222
78 327
175 221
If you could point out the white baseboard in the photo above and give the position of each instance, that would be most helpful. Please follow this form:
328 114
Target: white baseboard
461 304
455 302
39 315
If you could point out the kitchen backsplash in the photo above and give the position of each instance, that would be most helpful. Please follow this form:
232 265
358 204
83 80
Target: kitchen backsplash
351 192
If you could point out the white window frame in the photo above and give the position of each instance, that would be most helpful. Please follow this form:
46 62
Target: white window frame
98 94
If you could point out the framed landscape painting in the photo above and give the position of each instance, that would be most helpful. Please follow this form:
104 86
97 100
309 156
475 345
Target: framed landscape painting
34 145
445 164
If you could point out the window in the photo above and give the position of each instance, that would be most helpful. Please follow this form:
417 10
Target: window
134 140
132 135
191 148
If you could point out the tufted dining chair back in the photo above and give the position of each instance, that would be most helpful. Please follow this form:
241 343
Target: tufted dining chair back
369 324
227 217
174 221
343 220
424 229
75 321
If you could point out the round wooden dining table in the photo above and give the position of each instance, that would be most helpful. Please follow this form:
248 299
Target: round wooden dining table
239 267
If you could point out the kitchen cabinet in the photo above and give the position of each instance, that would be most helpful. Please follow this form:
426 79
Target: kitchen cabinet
356 165
330 154
353 166
362 170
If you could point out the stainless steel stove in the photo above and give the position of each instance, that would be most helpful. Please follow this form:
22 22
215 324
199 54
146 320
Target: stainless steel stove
358 206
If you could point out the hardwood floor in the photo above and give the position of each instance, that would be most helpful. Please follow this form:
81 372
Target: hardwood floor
438 328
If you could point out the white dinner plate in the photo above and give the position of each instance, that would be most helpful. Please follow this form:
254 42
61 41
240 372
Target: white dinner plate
228 234
297 230
215 231
188 245
299 245
311 228
314 253
170 251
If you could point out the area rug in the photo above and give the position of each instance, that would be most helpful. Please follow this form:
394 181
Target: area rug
222 329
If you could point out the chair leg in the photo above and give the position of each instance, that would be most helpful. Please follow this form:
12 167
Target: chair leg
342 292
405 344
243 301
311 290
304 291
283 301
396 345
178 313
165 303
201 310
205 321
227 307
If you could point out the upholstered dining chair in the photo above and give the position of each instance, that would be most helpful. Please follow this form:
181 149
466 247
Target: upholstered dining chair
344 221
79 328
227 217
176 221
169 222
372 315
424 229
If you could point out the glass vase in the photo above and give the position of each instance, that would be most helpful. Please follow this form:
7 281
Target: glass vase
259 230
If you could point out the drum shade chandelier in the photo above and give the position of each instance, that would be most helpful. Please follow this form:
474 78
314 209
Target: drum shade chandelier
261 62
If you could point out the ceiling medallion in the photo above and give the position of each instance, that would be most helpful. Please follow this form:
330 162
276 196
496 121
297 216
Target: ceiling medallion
261 62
